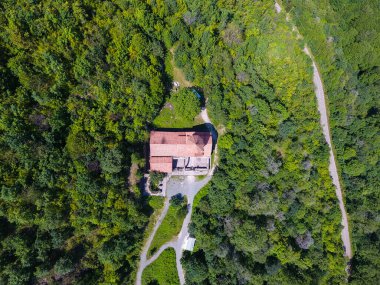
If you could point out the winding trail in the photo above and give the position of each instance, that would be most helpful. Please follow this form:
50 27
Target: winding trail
324 121
189 186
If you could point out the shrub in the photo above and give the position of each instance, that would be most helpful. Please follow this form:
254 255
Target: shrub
155 179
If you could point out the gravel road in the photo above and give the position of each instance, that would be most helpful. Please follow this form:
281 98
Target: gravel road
319 92
324 121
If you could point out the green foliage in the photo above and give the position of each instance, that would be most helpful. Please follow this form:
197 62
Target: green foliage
179 111
163 271
111 161
155 179
345 41
156 202
79 83
196 268
354 168
270 214
63 266
171 225
200 195
79 144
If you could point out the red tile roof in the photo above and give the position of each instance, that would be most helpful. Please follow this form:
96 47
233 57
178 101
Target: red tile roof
183 144
161 159
161 163
165 145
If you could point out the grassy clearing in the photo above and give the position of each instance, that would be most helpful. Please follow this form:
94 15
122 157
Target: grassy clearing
180 77
178 74
171 225
183 106
163 271
172 119
180 110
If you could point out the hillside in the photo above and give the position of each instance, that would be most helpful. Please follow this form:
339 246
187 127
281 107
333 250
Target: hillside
83 82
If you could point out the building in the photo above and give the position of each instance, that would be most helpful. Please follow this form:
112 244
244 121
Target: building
188 243
180 153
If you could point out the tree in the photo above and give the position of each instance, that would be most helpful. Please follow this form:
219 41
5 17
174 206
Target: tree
111 160
63 266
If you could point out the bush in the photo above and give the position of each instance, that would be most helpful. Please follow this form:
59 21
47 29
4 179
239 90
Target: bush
79 144
177 200
155 179
63 266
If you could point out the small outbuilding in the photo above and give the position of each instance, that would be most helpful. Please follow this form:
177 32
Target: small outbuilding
188 243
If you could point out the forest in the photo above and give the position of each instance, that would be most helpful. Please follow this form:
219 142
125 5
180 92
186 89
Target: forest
346 38
270 215
82 83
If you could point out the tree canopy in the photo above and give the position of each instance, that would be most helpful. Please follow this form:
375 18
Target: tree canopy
82 83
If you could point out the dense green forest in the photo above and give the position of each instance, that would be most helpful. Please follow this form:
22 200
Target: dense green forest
271 215
345 38
81 83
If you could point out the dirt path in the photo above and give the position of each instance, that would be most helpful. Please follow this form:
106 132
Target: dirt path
189 187
332 167
214 134
324 120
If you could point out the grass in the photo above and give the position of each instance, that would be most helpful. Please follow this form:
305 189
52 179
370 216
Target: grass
173 114
170 227
212 158
200 177
178 74
157 203
171 119
163 271
179 111
180 77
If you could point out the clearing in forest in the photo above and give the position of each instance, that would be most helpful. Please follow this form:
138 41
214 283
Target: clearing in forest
180 110
178 74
